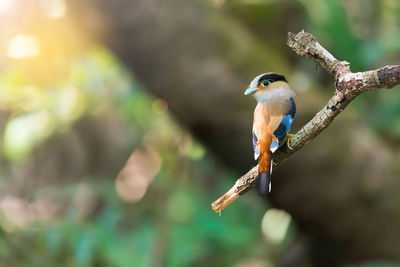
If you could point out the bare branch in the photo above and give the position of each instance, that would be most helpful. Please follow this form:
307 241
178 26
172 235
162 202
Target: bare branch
305 45
348 86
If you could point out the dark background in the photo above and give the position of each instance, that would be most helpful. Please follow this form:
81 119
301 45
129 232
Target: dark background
121 121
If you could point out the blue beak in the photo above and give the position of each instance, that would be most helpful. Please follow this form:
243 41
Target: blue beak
250 91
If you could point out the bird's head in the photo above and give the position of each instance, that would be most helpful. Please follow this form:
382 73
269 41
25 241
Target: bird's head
266 82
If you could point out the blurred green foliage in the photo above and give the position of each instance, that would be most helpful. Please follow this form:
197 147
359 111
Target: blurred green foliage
172 223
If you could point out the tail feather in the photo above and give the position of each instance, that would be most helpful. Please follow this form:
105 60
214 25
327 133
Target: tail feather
264 184
264 169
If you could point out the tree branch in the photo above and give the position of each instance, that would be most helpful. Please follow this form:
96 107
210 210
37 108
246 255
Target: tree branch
348 86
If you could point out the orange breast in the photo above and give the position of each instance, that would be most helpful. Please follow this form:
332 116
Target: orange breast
262 129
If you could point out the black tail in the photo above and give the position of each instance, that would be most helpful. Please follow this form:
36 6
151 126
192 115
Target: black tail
264 184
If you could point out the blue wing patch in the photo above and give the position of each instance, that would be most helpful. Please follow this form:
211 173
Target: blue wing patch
256 146
284 126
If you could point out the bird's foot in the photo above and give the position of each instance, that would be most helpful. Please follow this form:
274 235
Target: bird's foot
289 136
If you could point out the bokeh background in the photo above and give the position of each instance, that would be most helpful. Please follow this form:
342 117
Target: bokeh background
121 121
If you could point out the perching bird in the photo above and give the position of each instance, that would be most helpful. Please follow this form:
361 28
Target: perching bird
273 117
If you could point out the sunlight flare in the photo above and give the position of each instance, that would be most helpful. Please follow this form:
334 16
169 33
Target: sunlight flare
57 9
5 5
23 46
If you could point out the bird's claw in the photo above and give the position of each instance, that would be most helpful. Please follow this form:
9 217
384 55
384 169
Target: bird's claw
289 136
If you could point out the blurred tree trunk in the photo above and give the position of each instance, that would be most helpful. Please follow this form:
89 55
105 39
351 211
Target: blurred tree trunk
200 61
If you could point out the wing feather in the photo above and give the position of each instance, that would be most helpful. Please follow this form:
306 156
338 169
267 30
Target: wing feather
284 126
256 146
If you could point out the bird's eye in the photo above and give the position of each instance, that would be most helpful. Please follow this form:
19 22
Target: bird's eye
265 83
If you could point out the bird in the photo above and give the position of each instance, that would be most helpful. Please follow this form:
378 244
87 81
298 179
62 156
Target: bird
273 117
